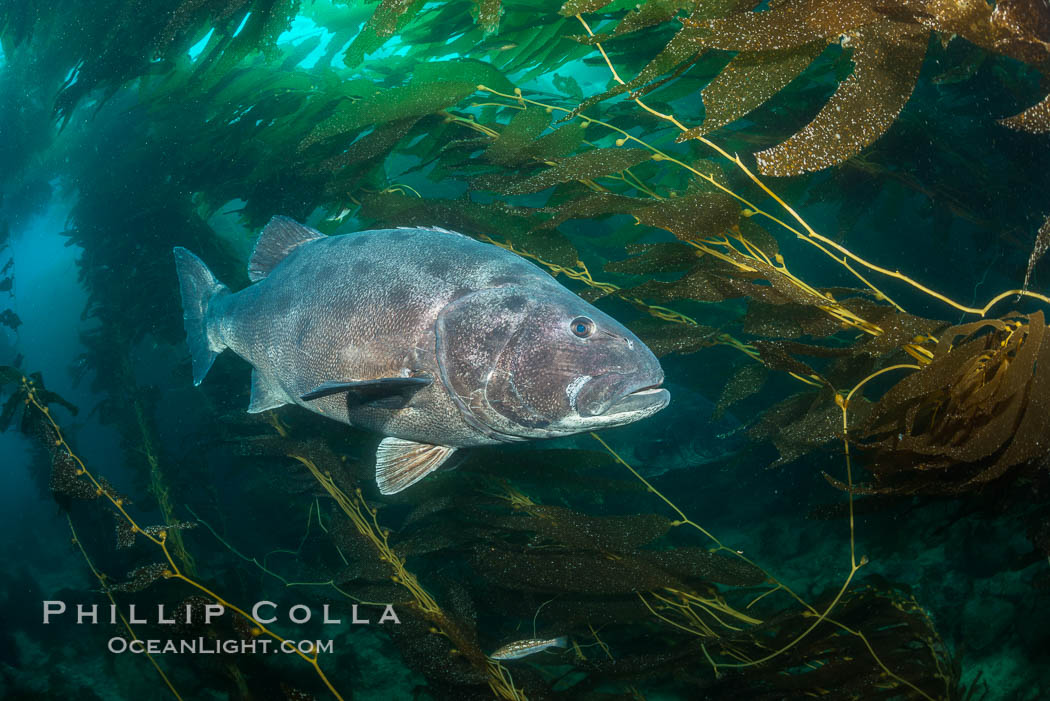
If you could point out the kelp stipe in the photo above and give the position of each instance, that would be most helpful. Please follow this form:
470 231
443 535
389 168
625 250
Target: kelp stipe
72 479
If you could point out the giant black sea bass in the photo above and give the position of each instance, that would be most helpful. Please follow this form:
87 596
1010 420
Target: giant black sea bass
431 338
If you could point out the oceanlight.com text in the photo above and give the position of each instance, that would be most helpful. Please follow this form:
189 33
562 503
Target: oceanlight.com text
209 646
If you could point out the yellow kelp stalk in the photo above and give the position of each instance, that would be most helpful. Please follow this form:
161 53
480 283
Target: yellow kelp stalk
65 457
682 606
364 519
687 604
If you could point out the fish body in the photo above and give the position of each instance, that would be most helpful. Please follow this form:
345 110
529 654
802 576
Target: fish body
524 648
433 339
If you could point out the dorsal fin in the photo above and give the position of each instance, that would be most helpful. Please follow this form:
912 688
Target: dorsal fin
278 238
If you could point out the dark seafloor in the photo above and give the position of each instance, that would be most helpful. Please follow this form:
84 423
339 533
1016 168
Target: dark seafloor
909 136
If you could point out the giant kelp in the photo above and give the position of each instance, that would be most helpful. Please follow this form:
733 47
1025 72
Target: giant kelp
612 573
441 132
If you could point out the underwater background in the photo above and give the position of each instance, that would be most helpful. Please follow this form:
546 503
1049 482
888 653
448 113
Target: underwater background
827 218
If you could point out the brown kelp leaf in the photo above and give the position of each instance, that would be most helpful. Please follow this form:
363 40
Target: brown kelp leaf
488 14
798 424
421 543
125 534
751 78
1030 436
746 381
375 143
1035 119
9 374
584 166
141 577
9 319
428 508
664 337
694 216
789 24
590 206
759 237
769 423
64 478
699 563
581 572
524 128
602 533
1022 29
500 220
550 245
714 280
1042 242
898 407
781 289
568 86
680 51
577 7
388 18
818 427
887 58
789 320
47 398
559 142
434 86
392 104
701 284
650 13
898 328
362 566
655 258
775 356
1016 28
977 410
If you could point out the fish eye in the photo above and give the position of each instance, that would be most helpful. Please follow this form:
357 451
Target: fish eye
582 327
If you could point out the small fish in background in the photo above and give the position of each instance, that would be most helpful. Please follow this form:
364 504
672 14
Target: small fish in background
530 646
426 336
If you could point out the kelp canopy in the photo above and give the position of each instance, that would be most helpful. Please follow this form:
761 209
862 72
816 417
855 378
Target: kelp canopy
635 149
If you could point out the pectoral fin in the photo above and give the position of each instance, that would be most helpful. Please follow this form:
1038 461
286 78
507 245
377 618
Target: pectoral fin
401 463
387 392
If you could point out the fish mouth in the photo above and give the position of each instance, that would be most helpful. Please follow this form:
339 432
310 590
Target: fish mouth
645 400
615 396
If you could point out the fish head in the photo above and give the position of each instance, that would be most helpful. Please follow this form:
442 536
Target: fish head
521 365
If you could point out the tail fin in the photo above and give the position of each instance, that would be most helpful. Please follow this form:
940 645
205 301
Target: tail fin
199 288
561 641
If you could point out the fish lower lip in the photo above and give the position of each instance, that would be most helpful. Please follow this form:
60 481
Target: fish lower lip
651 399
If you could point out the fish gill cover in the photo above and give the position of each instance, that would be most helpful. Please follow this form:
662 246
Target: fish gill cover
886 453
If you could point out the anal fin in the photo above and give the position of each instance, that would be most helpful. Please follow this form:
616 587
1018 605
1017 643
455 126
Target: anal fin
265 394
401 463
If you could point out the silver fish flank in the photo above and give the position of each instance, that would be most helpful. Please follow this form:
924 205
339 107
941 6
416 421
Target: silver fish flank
530 646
